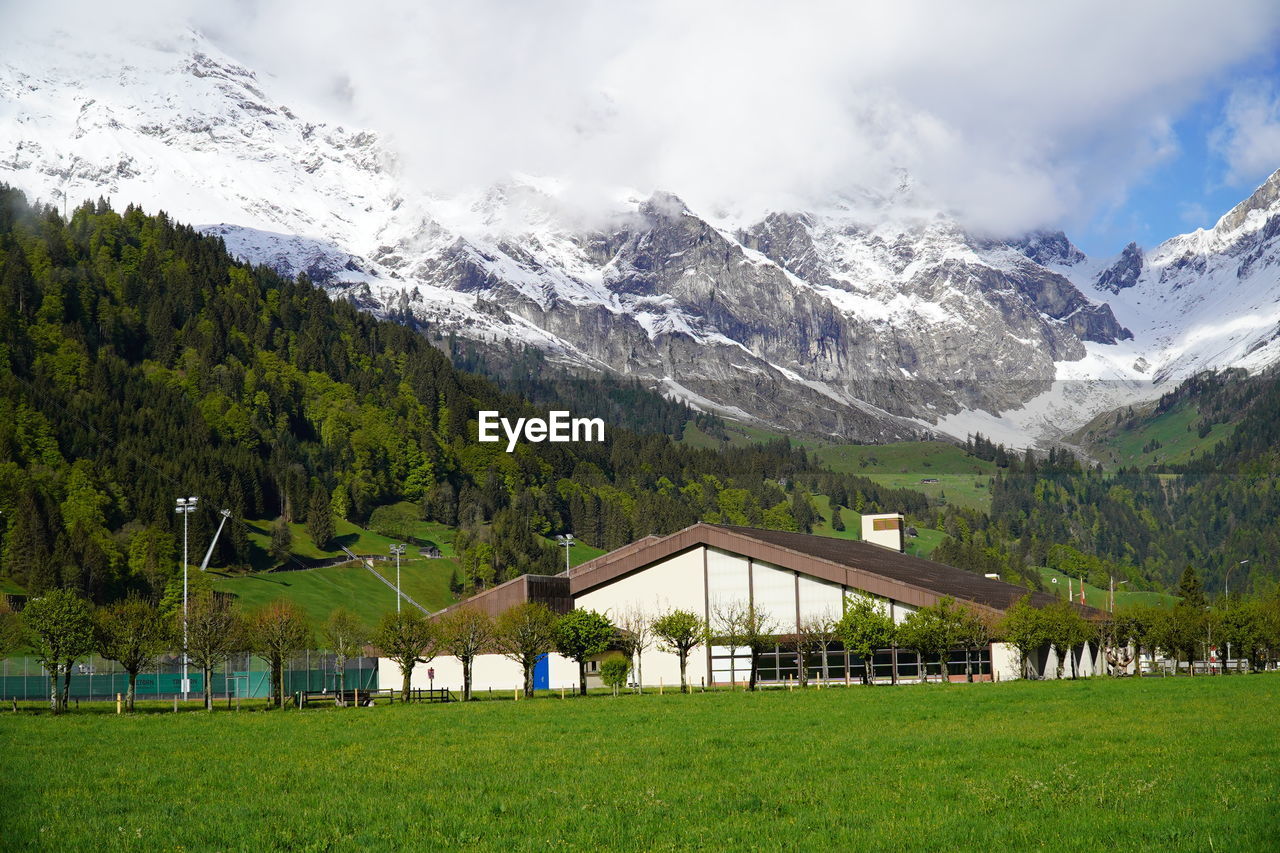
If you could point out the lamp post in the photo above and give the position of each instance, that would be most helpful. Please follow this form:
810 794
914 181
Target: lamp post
185 506
398 550
566 542
1113 592
1226 583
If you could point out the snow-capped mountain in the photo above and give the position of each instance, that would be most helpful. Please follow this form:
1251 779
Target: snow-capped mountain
872 318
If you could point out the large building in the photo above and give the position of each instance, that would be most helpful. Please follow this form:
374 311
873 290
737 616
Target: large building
790 578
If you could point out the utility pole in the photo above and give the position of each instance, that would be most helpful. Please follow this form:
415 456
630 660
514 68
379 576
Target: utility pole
398 550
185 506
565 540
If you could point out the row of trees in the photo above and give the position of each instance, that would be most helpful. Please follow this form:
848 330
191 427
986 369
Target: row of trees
61 627
1246 630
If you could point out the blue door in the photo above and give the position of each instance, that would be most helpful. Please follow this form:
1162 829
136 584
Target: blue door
542 674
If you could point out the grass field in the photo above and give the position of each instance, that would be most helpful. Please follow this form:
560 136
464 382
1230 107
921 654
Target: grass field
1168 764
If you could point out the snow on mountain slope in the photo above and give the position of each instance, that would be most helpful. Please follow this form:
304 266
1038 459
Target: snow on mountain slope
875 319
1211 298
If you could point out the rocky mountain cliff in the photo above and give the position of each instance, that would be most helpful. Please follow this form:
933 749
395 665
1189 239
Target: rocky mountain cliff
874 320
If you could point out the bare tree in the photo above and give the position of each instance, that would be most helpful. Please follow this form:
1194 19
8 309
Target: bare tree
634 636
813 635
345 636
277 631
215 631
741 623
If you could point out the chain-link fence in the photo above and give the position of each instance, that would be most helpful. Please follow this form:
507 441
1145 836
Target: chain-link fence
246 677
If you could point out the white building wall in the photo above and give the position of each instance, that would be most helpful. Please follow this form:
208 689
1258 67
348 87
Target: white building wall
1004 662
775 595
820 599
494 671
674 583
727 578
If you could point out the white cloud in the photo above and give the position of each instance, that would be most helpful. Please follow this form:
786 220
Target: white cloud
1014 115
1249 137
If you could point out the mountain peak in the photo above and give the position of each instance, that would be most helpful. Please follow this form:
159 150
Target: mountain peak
1263 200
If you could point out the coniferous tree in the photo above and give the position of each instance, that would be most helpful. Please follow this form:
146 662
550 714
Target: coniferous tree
1190 589
281 539
320 517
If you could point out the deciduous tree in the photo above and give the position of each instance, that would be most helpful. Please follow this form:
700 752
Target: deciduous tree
1023 627
927 633
276 632
215 632
634 636
864 629
741 623
525 633
345 636
408 638
465 633
60 629
613 673
813 635
680 631
581 634
132 633
281 539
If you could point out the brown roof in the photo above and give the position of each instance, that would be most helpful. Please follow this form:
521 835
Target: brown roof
551 590
911 580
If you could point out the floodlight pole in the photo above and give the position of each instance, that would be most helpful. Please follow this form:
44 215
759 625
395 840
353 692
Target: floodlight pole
185 506
566 542
397 549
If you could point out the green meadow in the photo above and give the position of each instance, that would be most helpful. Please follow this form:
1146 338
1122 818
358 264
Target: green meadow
1168 764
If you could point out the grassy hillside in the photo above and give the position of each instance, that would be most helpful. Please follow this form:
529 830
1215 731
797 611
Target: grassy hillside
1150 437
319 590
920 546
1100 598
738 435
1129 764
962 479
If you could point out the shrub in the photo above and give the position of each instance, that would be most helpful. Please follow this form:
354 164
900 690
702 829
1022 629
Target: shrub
614 672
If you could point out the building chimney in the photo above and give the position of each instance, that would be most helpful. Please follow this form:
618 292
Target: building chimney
887 530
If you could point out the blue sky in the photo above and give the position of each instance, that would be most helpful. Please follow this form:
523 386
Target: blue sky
1199 180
